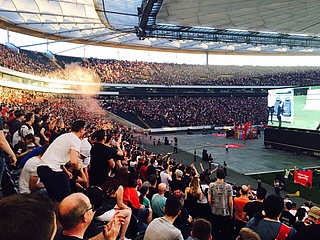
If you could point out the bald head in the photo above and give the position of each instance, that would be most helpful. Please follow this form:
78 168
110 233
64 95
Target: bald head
71 209
162 188
244 189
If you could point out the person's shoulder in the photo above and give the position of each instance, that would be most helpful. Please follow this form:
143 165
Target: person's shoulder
59 236
227 184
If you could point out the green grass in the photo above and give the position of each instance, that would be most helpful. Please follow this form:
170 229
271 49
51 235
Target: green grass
292 187
305 119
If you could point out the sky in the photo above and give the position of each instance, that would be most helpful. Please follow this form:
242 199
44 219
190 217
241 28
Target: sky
80 50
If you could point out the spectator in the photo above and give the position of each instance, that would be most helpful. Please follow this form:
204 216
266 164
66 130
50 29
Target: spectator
201 230
101 161
192 195
66 147
254 207
26 128
116 146
75 215
153 188
144 190
85 155
311 230
27 217
300 217
268 225
177 183
203 206
162 228
286 217
21 149
166 177
221 203
113 187
16 123
239 203
29 181
248 234
131 198
44 130
158 201
37 121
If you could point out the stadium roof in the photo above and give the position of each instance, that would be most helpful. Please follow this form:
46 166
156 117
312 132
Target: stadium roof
251 26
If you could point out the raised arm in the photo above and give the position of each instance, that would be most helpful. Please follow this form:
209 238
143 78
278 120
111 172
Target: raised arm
201 166
195 170
213 170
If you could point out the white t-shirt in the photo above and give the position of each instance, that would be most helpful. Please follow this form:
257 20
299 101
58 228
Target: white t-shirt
58 152
165 178
23 131
28 170
85 151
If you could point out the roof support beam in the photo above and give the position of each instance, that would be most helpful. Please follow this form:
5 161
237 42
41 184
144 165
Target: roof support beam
228 36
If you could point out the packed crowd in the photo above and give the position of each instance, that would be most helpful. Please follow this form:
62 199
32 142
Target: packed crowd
105 186
191 111
134 72
21 62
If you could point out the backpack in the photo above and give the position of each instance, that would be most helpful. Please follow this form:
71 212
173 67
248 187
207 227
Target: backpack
20 129
283 232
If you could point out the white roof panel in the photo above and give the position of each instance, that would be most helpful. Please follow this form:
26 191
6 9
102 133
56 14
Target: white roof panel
113 21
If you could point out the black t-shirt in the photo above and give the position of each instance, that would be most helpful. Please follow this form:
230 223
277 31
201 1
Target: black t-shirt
181 221
35 125
14 126
152 191
308 233
186 179
253 207
46 133
287 218
151 170
298 225
100 154
19 148
177 184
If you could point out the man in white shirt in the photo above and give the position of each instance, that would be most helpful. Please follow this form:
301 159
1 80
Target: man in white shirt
29 179
85 156
63 149
166 177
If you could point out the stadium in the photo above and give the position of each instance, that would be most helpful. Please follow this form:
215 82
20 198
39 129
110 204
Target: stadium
165 101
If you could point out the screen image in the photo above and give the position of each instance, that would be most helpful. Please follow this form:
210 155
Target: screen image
295 107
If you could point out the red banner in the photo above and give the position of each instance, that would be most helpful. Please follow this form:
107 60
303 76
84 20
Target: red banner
233 145
219 134
303 177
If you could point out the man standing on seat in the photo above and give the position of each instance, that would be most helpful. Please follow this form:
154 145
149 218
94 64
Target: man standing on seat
63 149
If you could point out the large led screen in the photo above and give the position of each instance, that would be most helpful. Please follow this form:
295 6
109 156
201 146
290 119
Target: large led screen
296 107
